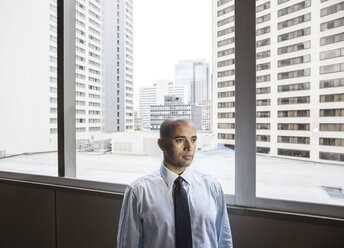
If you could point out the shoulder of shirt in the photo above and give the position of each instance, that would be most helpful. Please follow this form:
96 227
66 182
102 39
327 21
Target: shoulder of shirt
143 181
208 179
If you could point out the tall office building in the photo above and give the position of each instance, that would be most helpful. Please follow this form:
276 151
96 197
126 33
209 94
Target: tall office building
174 107
147 98
195 75
155 95
300 77
28 88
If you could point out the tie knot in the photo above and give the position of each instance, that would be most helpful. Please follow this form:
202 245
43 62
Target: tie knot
179 181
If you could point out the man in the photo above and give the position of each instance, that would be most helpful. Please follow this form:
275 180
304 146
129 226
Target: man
175 207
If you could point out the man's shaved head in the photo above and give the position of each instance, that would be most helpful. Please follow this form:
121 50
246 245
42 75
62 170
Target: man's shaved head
168 125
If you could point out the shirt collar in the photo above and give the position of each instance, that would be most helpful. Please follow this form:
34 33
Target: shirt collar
169 176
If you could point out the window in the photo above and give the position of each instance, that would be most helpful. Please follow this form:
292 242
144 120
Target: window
332 112
294 74
225 11
264 66
225 73
225 31
331 68
294 100
263 78
264 54
225 136
225 62
263 18
225 21
293 48
225 42
293 113
89 116
294 87
294 21
263 102
332 9
263 126
331 156
226 105
332 24
226 126
282 1
264 42
294 126
227 83
265 150
222 2
225 52
334 53
332 127
262 31
332 39
294 34
263 114
294 8
331 142
330 83
294 61
263 138
225 115
262 7
263 90
293 153
332 98
293 139
226 94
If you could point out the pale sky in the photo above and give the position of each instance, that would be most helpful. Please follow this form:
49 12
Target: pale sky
166 31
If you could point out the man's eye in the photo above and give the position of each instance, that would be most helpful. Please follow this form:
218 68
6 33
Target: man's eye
194 140
179 140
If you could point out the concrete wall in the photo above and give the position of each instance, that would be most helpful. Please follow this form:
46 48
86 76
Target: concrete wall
48 216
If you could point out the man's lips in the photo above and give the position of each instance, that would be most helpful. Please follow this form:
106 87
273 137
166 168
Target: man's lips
187 157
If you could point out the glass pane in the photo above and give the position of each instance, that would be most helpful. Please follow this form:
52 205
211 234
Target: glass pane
300 102
127 84
223 77
28 87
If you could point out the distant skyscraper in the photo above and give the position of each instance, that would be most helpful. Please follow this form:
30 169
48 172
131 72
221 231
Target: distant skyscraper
195 75
300 78
104 74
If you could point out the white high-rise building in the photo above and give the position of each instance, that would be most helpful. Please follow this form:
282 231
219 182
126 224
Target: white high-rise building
195 75
155 95
300 78
28 81
147 98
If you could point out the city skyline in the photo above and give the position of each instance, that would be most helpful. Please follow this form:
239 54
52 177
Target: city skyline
173 39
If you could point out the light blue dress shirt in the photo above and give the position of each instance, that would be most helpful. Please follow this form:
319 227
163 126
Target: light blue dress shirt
147 215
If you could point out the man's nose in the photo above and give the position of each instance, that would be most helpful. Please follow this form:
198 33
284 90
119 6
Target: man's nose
187 145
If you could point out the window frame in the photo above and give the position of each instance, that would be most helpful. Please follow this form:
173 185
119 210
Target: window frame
245 113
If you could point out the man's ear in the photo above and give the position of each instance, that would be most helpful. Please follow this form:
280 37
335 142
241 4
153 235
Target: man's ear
161 144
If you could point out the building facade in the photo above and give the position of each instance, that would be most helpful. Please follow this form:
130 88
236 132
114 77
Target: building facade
155 95
104 74
174 108
299 78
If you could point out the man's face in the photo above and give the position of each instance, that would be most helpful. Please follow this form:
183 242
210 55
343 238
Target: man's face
180 147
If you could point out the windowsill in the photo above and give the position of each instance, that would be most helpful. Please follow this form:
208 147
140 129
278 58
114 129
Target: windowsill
118 190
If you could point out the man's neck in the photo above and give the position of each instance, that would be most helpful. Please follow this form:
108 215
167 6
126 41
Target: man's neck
177 170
